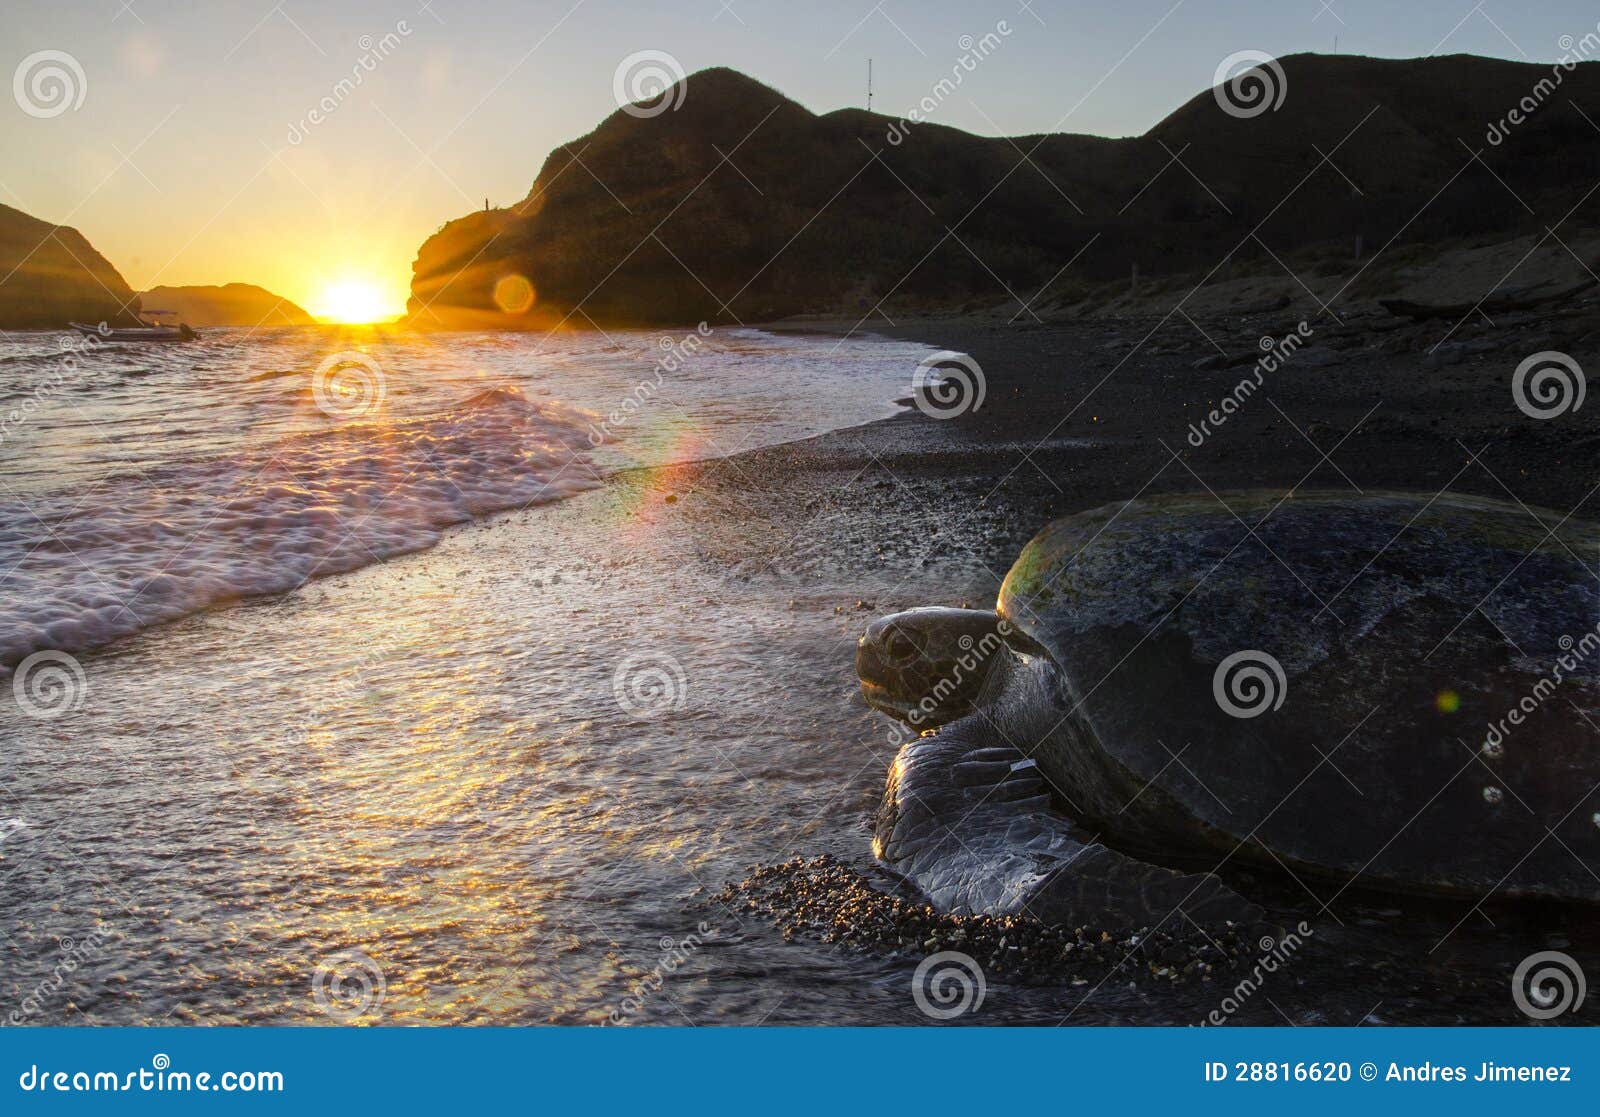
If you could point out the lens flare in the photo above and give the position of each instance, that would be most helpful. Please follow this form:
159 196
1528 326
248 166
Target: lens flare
514 294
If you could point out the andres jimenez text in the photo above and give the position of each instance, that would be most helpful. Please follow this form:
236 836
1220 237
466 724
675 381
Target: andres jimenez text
1485 1072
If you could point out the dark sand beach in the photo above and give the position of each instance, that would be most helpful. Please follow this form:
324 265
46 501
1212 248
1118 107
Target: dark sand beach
1094 412
918 511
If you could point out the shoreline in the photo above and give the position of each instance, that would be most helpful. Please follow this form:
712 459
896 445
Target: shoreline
1073 419
1091 413
489 662
594 461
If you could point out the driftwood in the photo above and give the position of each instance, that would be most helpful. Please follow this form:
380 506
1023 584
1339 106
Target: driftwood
1502 302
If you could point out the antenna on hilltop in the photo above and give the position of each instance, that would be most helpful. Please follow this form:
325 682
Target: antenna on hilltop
869 85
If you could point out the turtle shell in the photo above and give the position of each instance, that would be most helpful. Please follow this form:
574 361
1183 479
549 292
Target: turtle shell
1400 690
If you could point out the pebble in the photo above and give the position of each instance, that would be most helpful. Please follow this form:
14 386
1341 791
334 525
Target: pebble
826 900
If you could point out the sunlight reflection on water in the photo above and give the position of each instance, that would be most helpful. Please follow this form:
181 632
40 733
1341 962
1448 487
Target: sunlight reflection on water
425 763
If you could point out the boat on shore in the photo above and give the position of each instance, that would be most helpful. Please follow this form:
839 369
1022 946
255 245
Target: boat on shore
152 330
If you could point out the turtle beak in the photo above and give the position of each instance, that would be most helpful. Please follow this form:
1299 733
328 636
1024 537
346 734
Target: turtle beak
885 701
881 677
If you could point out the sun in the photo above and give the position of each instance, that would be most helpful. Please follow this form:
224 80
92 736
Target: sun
351 300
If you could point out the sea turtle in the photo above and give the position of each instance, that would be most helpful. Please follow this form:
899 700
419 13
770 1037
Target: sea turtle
1391 691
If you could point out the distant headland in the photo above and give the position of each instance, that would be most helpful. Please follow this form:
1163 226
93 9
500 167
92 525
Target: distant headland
50 275
232 304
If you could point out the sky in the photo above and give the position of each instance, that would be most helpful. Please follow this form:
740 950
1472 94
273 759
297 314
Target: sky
193 156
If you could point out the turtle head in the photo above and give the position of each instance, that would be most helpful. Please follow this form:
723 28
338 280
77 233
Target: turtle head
927 667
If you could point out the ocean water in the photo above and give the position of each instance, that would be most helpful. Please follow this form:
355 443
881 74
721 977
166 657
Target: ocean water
291 749
383 697
140 483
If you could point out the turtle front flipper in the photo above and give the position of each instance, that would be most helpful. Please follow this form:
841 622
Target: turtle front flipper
971 824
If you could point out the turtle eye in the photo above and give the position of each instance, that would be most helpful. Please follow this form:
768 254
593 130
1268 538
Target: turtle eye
899 646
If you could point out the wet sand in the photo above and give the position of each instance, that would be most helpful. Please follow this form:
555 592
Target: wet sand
926 511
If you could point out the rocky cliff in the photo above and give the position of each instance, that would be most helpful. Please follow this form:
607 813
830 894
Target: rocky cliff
742 203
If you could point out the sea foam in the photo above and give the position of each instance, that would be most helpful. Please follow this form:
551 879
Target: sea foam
137 549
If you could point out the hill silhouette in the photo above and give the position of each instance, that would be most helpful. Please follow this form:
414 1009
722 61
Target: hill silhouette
232 304
50 275
742 203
